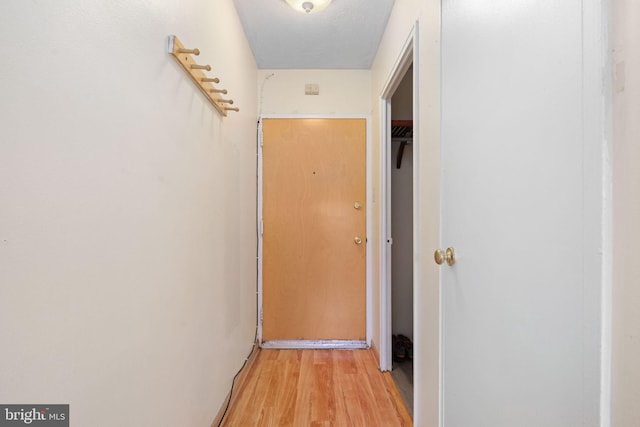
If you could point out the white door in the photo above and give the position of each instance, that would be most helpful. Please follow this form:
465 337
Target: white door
520 307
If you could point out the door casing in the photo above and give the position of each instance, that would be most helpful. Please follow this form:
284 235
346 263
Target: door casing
427 323
408 56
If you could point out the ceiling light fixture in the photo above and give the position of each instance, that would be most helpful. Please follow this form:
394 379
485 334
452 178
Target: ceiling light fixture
308 6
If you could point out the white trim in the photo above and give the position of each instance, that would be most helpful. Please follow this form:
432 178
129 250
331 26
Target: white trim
369 225
402 64
368 210
259 227
385 236
316 116
315 345
408 55
597 208
606 330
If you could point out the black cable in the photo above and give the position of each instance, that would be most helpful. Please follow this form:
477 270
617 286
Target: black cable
233 383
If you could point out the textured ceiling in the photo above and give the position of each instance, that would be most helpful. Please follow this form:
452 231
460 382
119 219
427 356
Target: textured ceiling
343 36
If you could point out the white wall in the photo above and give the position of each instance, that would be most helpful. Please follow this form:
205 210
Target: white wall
626 212
127 219
427 148
341 92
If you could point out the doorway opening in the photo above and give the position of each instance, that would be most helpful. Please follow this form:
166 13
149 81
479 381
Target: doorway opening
401 208
399 195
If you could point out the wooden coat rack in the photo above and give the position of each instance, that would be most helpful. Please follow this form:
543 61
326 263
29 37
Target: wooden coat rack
195 71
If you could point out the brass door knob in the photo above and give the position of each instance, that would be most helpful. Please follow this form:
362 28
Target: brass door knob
357 205
357 240
450 256
441 256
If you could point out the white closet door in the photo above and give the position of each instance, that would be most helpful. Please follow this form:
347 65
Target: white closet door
520 332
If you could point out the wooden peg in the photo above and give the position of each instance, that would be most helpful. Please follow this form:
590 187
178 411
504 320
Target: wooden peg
200 67
196 73
192 51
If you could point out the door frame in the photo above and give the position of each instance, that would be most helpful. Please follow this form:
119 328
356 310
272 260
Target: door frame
319 344
408 55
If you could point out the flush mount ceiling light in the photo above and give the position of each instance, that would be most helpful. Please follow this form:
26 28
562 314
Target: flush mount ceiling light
308 6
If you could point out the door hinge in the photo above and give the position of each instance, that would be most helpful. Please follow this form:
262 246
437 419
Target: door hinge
261 227
259 132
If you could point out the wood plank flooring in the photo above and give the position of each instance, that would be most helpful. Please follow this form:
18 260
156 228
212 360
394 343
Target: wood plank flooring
313 388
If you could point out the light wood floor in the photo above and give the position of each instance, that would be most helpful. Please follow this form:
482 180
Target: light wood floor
312 388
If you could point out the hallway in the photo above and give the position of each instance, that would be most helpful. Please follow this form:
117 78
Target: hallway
131 224
316 388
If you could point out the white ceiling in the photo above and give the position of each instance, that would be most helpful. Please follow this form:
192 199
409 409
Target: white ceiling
343 36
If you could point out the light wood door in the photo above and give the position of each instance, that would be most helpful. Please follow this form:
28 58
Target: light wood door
313 279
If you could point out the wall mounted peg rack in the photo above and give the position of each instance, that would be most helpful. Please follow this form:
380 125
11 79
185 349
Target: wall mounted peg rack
184 57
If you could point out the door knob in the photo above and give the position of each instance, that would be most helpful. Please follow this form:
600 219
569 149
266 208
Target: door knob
450 256
441 256
357 205
357 240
